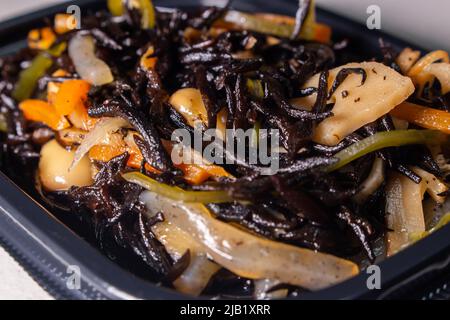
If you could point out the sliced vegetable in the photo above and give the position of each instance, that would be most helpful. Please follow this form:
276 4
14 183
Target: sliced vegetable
114 145
65 23
404 211
442 72
70 137
255 88
442 223
88 66
147 60
29 77
101 131
263 290
71 100
425 61
434 186
53 87
41 39
146 8
423 116
248 255
115 7
406 59
177 242
71 94
418 72
383 140
357 104
276 25
80 119
197 275
189 103
105 153
148 15
3 123
41 111
197 170
221 125
108 148
176 193
373 181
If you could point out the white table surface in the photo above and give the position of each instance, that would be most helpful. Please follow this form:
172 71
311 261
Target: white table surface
422 22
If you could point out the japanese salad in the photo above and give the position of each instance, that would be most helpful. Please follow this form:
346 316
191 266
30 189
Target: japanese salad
89 108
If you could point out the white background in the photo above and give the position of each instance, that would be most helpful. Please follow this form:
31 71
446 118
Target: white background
426 23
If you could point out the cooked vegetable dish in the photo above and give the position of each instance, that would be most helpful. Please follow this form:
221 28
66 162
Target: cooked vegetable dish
88 112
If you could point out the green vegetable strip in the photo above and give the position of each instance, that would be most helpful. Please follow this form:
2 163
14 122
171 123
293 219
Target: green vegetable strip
255 135
115 7
148 14
257 24
442 223
176 193
3 124
29 77
252 22
146 8
255 88
383 140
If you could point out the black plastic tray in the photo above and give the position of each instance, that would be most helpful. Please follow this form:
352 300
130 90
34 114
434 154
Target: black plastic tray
46 247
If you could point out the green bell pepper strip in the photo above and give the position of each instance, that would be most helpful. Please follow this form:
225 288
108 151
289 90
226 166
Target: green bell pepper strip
247 21
445 219
176 193
3 123
255 88
383 140
251 22
30 76
115 7
148 15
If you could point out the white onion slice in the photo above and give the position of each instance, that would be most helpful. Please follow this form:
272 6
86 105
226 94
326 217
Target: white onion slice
442 72
101 130
434 186
197 275
407 58
404 211
248 255
263 286
87 65
200 270
373 181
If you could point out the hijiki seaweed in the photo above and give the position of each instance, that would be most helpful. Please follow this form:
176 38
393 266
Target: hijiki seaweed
256 79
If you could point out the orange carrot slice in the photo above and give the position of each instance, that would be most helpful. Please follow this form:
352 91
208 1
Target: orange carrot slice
71 94
41 39
41 111
423 116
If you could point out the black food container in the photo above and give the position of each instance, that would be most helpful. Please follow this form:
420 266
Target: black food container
52 247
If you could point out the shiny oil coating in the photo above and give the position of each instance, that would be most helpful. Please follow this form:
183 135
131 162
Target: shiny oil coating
54 167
